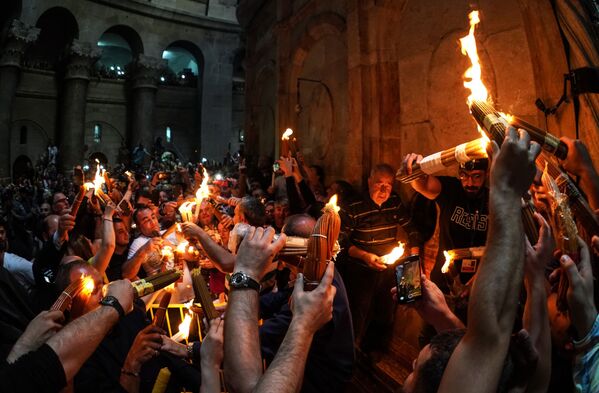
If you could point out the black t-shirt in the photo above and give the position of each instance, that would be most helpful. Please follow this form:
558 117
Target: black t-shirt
114 271
39 371
463 222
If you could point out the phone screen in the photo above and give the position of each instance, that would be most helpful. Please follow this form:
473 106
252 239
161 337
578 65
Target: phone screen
407 276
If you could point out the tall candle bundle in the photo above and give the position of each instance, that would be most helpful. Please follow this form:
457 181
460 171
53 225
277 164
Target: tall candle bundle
202 295
160 314
83 285
148 285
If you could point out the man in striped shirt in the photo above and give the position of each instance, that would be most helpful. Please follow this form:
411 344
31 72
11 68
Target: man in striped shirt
371 227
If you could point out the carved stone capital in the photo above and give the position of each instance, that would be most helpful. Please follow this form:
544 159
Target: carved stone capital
82 57
20 36
147 71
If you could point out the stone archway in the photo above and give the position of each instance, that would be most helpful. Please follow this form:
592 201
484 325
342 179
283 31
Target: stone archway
22 167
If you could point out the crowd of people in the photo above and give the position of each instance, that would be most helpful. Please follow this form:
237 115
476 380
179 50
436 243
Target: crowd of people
519 315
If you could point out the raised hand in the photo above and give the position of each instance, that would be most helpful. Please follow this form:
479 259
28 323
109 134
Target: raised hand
257 251
39 330
146 346
315 308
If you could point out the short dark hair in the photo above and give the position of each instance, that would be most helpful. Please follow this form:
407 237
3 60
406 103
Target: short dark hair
63 276
139 210
253 211
431 372
384 169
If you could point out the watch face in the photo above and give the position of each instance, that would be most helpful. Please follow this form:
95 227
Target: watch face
238 279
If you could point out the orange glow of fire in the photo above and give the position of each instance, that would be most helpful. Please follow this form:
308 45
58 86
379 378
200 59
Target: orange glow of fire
98 179
473 75
88 186
167 252
88 285
287 134
394 255
332 204
448 259
182 246
203 192
509 118
185 210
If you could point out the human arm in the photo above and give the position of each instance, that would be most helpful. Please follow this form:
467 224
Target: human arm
535 318
223 259
80 338
427 185
131 267
102 258
243 364
433 308
371 260
145 347
579 163
39 330
211 357
494 295
311 311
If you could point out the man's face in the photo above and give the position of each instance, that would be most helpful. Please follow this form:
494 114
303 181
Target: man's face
281 212
472 181
59 203
121 234
269 210
206 213
380 186
45 209
409 384
147 223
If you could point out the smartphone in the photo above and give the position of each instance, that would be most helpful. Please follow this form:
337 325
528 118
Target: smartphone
407 277
276 167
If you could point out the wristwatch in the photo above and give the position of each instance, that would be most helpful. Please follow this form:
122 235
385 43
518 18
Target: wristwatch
111 301
240 280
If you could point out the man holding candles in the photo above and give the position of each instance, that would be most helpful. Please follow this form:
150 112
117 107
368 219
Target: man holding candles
371 227
464 210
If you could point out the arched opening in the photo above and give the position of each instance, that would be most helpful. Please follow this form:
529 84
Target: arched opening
185 64
12 10
22 168
120 45
101 157
58 29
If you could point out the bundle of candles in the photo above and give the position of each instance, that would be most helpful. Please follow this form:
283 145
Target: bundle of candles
434 163
82 286
460 253
202 295
294 246
160 314
77 202
148 285
186 211
496 124
290 140
531 227
394 255
580 207
565 231
321 245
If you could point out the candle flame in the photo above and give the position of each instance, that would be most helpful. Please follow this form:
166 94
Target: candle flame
473 75
167 252
98 179
178 227
508 117
203 192
182 246
88 186
88 285
448 259
394 255
288 132
184 327
185 210
332 204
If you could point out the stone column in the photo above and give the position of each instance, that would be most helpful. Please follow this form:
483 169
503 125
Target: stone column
82 56
145 74
20 36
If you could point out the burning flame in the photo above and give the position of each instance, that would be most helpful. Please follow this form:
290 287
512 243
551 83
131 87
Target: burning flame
484 140
448 259
167 252
98 179
88 285
509 118
203 192
473 75
288 132
332 204
394 255
88 186
181 247
185 210
184 326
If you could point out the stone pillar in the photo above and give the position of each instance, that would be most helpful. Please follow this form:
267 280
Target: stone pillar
20 36
82 56
145 75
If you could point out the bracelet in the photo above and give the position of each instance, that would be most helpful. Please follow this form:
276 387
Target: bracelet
130 373
107 219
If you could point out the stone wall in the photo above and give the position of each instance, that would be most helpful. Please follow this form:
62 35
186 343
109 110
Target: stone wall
201 119
390 75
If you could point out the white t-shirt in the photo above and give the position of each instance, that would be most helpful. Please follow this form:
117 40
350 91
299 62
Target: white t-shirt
21 268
